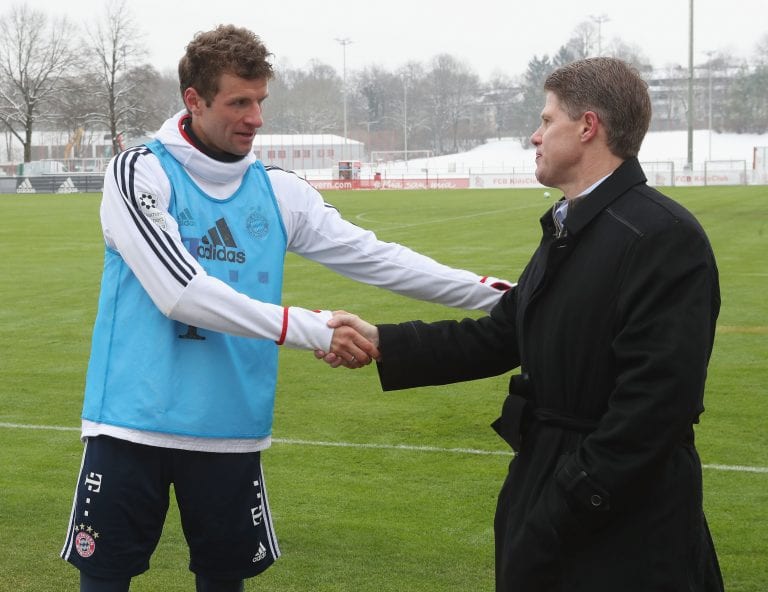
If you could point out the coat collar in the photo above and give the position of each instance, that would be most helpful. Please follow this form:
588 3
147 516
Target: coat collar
619 182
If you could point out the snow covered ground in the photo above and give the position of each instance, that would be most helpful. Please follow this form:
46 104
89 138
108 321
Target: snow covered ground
718 159
507 154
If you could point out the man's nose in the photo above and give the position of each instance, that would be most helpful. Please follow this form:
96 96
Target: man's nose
254 116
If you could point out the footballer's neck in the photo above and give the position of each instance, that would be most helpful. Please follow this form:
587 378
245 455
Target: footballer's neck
193 138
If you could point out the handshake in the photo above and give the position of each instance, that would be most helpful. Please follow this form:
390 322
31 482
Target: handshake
354 343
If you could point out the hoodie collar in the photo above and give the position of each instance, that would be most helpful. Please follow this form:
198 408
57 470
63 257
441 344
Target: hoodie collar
183 147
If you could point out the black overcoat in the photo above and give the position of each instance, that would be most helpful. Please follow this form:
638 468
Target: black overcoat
612 326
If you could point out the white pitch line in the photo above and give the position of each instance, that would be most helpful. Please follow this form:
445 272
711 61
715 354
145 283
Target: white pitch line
23 426
407 447
737 468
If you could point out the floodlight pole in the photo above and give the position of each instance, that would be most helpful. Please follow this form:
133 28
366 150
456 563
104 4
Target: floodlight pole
405 118
690 86
344 42
599 20
709 100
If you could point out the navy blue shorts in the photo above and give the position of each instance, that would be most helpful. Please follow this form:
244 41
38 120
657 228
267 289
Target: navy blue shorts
122 498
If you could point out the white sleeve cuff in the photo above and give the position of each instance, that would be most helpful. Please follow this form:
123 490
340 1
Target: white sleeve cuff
306 329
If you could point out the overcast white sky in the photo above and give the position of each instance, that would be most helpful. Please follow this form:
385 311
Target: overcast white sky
489 35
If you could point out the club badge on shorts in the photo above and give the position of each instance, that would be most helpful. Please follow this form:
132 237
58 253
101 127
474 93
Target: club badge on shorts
85 540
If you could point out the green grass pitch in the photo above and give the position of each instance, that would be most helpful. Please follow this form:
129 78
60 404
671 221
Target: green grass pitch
404 507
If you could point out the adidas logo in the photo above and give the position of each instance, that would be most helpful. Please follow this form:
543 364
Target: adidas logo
25 187
218 244
260 554
67 187
186 218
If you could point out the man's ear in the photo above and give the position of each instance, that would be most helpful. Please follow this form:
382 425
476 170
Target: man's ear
591 125
193 101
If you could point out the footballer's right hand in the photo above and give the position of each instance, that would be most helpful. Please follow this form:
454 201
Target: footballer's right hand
354 343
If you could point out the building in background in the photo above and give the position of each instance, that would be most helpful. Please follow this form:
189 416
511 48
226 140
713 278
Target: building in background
298 152
84 151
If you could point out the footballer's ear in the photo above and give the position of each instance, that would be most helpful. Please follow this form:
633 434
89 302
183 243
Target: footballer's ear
193 101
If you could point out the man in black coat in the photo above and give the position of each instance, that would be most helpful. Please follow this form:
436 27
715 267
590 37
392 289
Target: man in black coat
612 324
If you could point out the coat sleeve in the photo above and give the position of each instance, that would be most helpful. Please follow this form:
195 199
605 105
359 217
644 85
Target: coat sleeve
444 352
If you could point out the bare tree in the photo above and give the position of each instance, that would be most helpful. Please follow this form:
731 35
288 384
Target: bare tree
384 107
115 43
761 50
35 54
630 53
582 42
306 101
502 98
377 93
276 111
72 109
159 99
453 90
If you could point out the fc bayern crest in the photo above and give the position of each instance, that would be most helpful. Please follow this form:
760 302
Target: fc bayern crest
84 544
85 540
257 224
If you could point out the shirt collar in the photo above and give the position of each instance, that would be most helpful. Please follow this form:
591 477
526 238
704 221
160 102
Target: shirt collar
560 208
594 185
